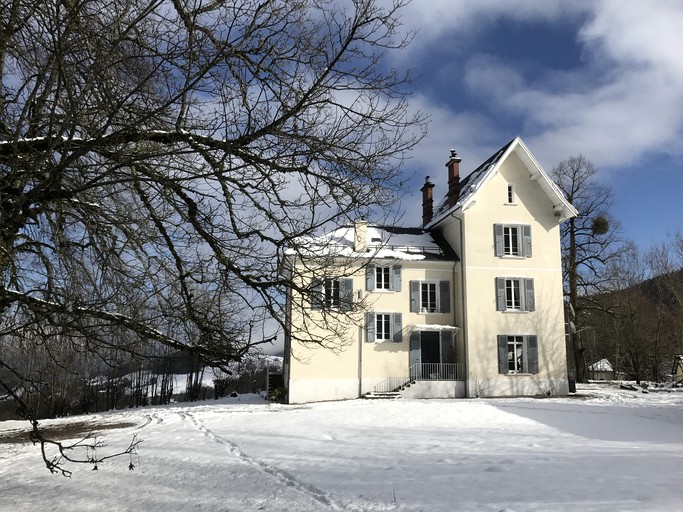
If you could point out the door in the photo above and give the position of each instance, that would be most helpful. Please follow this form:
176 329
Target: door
431 347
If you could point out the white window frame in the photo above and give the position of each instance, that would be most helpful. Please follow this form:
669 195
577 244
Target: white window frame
514 294
332 293
437 303
511 195
383 278
510 232
384 327
518 356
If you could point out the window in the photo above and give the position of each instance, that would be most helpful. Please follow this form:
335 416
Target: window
385 278
430 296
512 240
515 294
332 294
511 194
384 327
517 354
331 290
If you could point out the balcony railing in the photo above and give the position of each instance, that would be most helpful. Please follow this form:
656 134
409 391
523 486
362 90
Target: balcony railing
437 371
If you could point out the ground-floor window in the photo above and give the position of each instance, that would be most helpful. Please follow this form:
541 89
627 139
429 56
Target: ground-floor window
517 353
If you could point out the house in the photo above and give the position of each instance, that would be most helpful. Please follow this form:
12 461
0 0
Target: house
601 370
468 304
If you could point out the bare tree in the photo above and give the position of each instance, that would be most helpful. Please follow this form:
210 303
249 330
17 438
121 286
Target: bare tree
157 156
589 242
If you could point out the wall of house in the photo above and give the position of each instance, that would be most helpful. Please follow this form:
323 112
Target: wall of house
355 366
481 268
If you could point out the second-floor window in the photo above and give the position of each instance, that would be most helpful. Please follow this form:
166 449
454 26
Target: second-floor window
428 301
332 294
515 294
383 278
512 240
430 296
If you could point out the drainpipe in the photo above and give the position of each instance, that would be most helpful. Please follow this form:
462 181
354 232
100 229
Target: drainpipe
463 303
360 361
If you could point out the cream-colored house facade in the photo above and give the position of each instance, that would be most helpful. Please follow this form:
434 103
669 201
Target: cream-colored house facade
469 304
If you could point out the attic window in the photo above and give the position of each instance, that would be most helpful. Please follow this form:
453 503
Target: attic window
511 199
375 240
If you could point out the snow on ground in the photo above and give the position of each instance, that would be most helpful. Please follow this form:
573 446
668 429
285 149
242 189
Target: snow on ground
604 450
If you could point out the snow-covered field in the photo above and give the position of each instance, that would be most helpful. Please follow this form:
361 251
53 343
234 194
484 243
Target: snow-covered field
611 450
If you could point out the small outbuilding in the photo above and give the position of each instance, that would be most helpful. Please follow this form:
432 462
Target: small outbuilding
677 369
602 370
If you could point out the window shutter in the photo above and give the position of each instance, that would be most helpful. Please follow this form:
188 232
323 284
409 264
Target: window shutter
447 353
501 303
398 327
414 296
317 294
445 296
529 298
345 294
502 354
498 239
369 327
526 241
370 278
415 353
396 278
532 351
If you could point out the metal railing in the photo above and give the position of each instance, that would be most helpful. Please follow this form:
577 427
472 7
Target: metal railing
437 371
391 384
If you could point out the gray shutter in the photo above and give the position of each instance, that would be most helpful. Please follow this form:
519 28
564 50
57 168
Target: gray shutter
398 327
532 353
415 353
447 355
396 278
498 239
414 296
529 297
503 354
346 294
317 299
445 296
370 278
369 327
501 302
526 241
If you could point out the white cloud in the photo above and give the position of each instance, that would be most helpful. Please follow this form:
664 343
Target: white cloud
619 105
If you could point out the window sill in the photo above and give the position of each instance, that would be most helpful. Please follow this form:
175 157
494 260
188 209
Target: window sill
510 204
518 374
515 311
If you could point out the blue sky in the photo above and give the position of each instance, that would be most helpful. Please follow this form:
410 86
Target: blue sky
602 78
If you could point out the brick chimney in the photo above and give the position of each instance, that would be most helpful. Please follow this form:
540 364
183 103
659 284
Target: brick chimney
427 202
453 178
360 235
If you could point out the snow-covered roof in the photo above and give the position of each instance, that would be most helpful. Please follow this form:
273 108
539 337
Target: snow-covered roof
601 366
435 327
383 242
477 178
